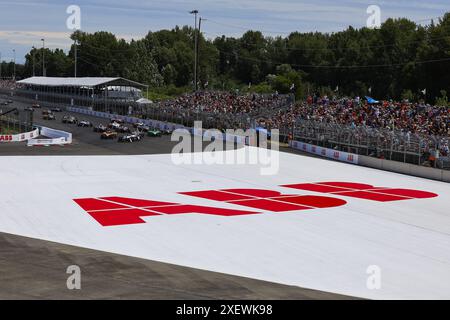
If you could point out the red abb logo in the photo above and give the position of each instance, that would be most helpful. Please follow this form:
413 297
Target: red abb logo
6 138
112 211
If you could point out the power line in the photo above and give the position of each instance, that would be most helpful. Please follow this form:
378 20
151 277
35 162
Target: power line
288 33
334 66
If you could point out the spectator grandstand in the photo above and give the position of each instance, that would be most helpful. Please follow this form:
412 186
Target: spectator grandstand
403 131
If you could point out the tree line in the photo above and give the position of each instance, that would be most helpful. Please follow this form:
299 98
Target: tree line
398 60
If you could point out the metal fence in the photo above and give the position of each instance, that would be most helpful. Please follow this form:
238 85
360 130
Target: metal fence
14 121
381 143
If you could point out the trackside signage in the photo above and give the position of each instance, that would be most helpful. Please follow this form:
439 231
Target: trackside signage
19 137
325 152
55 137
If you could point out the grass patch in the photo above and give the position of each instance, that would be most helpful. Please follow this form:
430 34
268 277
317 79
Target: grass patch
5 131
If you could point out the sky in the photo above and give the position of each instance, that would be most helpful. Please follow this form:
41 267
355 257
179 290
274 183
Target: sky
23 23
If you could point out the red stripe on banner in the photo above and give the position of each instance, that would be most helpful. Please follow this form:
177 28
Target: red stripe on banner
270 205
90 204
120 217
260 193
418 194
203 210
137 202
347 185
313 187
314 201
215 195
371 196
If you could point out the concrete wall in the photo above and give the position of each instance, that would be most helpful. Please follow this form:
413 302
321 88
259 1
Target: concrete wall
405 168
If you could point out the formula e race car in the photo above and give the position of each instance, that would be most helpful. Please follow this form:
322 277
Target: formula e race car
131 137
143 128
85 123
100 128
119 127
153 132
69 119
49 116
167 131
109 134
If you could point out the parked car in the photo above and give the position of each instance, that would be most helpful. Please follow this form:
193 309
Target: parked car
69 119
85 123
56 109
36 106
109 134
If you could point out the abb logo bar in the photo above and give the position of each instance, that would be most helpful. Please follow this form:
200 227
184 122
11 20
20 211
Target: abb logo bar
113 211
6 138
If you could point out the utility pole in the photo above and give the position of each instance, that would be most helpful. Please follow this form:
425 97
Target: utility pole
1 65
43 58
195 12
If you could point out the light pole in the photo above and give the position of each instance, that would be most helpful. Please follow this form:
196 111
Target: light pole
76 58
43 58
34 60
14 68
195 12
198 41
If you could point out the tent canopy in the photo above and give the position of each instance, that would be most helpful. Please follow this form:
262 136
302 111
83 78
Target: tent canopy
90 82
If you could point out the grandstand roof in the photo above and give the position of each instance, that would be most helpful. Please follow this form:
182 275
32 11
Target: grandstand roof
79 82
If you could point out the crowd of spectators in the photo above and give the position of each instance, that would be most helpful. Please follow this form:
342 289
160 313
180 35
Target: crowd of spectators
231 110
8 84
226 109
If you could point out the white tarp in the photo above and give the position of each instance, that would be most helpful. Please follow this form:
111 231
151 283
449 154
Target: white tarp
326 249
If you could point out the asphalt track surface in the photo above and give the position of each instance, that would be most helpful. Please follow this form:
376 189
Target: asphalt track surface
36 269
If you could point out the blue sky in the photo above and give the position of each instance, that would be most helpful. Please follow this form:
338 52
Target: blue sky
24 22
